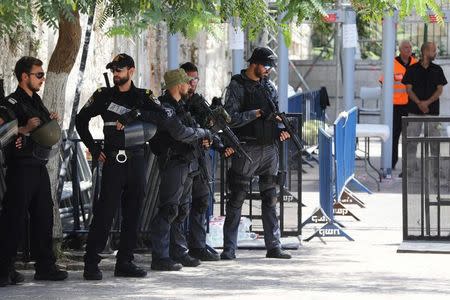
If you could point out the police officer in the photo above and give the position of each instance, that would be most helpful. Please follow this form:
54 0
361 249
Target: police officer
123 168
176 160
27 180
247 101
200 188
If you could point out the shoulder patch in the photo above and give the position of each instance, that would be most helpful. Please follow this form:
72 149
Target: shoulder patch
89 102
169 112
12 100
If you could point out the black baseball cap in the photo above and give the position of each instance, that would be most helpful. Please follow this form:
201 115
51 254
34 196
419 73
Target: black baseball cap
121 60
264 56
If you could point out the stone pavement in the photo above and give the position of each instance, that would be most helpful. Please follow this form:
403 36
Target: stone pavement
368 268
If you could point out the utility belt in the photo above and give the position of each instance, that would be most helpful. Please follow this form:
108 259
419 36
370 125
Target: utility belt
164 159
122 156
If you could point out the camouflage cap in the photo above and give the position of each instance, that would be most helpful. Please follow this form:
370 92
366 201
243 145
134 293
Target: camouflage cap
174 77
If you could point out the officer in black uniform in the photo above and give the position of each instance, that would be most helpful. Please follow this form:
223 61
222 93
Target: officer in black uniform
27 179
177 165
247 102
200 188
123 169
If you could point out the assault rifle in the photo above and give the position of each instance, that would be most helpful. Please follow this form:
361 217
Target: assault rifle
217 121
200 153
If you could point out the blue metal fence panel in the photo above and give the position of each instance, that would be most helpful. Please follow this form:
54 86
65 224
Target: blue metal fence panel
350 143
339 154
326 172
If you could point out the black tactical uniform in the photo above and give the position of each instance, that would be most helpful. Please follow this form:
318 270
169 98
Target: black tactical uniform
201 191
123 183
177 163
28 192
244 97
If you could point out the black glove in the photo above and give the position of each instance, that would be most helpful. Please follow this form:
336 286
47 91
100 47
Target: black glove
129 117
269 116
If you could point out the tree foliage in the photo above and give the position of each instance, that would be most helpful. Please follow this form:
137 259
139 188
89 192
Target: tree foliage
130 17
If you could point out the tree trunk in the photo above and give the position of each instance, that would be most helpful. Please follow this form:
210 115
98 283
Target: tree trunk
61 63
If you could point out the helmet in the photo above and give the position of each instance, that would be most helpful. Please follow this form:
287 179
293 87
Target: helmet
47 135
263 56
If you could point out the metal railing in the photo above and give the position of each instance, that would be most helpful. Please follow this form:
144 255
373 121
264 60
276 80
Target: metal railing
426 174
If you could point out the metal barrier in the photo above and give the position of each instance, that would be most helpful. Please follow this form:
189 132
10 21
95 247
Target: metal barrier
287 201
426 175
332 204
325 214
311 107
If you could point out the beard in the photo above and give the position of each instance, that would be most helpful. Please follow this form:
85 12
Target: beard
261 75
184 96
33 88
120 80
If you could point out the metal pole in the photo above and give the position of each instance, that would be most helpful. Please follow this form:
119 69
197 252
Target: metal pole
283 71
283 82
349 59
172 51
337 47
236 45
388 89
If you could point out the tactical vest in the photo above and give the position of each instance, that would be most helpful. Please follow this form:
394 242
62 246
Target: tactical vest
256 96
163 144
115 139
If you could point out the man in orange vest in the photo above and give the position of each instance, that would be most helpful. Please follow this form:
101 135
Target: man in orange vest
400 98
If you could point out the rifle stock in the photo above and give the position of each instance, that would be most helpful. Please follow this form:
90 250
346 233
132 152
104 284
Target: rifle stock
219 123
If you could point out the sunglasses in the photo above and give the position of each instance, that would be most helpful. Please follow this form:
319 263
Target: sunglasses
267 68
117 69
39 75
195 79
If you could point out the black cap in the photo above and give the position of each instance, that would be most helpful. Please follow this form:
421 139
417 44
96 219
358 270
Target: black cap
264 56
121 60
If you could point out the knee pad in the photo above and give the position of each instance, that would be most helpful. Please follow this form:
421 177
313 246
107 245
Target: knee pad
169 212
237 182
269 197
183 212
267 182
237 199
200 204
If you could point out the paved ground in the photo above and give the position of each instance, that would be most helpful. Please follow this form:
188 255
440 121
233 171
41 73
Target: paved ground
368 268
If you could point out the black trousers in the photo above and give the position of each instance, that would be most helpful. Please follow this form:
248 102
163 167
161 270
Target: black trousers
399 112
122 184
28 192
167 232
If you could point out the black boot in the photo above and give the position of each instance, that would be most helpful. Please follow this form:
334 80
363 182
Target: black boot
4 280
187 261
227 254
128 269
203 254
92 272
16 277
278 253
165 264
52 273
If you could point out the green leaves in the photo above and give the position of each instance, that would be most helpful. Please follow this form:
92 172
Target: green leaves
192 16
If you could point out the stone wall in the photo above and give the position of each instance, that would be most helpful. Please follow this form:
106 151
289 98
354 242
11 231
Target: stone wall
208 51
